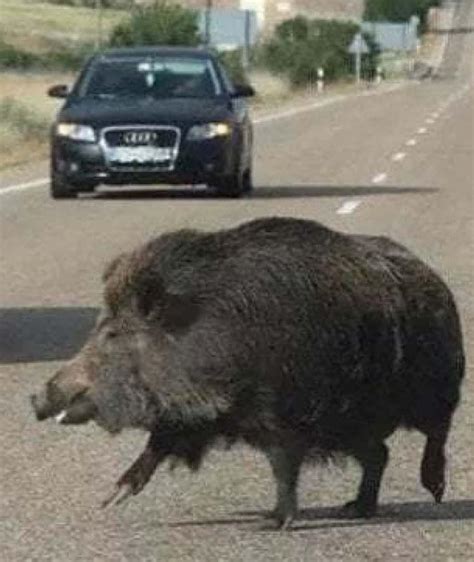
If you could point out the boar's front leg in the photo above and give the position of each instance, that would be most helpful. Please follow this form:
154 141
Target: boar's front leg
137 476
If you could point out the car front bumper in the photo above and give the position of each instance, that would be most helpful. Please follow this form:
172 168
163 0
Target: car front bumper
196 162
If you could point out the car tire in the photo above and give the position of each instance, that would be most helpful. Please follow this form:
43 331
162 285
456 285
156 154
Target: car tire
60 189
247 182
236 185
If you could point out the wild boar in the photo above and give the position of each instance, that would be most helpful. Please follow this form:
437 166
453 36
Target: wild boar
301 341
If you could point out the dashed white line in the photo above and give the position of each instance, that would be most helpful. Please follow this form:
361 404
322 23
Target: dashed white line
348 207
422 130
411 142
399 156
429 121
379 178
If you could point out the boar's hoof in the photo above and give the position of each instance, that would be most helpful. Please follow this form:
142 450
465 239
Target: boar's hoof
358 510
121 493
282 519
132 481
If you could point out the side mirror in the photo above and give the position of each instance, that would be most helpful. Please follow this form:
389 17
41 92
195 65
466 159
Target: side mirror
59 91
243 91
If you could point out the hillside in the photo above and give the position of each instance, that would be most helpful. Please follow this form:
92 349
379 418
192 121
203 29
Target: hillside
38 26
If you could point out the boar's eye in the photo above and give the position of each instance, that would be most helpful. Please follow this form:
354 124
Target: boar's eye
111 334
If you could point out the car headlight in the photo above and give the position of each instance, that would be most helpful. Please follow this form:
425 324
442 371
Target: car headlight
209 131
76 132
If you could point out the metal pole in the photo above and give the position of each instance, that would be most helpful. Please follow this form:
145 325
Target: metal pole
99 9
358 66
246 52
208 22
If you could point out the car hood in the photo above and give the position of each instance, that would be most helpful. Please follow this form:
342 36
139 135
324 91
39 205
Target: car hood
129 111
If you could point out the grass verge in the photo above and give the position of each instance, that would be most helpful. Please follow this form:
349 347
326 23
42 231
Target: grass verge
25 115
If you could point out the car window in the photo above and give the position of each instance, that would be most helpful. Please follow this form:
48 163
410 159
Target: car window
164 77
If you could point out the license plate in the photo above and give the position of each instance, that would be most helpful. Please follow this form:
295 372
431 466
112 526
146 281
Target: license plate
140 155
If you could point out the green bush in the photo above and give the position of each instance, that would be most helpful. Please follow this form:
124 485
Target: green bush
70 58
159 24
93 3
399 11
232 62
10 57
58 58
300 46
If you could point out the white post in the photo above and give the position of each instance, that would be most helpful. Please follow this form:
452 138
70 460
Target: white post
378 78
320 82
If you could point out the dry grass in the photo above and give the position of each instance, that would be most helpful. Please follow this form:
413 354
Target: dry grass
33 26
26 114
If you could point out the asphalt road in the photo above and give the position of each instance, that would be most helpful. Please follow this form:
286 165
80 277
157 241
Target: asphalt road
398 163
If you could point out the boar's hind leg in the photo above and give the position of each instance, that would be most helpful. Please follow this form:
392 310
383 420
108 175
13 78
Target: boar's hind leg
434 462
373 460
137 476
286 464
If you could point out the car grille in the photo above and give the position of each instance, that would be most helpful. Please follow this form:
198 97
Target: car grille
139 148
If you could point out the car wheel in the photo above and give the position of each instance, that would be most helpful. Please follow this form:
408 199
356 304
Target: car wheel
61 189
236 185
247 186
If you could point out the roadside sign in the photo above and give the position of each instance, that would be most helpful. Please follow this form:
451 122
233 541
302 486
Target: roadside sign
358 47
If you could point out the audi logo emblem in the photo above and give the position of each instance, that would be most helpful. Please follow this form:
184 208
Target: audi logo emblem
135 138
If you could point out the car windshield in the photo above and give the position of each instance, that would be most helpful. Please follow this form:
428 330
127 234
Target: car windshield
164 77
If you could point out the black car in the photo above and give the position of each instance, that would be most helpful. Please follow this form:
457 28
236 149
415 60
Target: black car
155 115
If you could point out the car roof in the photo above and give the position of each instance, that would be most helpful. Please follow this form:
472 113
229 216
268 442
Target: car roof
126 52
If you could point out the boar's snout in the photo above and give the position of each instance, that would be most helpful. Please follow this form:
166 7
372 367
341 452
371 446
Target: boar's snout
41 406
49 402
64 396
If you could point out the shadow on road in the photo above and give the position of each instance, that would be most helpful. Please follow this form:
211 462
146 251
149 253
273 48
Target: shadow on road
264 192
43 334
455 510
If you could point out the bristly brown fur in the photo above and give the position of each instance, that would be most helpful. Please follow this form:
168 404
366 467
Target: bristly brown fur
299 340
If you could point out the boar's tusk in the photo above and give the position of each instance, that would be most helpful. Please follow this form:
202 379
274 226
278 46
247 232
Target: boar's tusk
59 418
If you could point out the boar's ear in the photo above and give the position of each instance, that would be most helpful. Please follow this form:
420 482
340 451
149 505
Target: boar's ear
116 280
178 312
174 312
113 267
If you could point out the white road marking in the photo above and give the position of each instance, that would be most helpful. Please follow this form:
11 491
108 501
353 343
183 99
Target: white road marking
429 121
411 142
295 111
23 186
379 178
399 156
348 207
321 103
422 130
